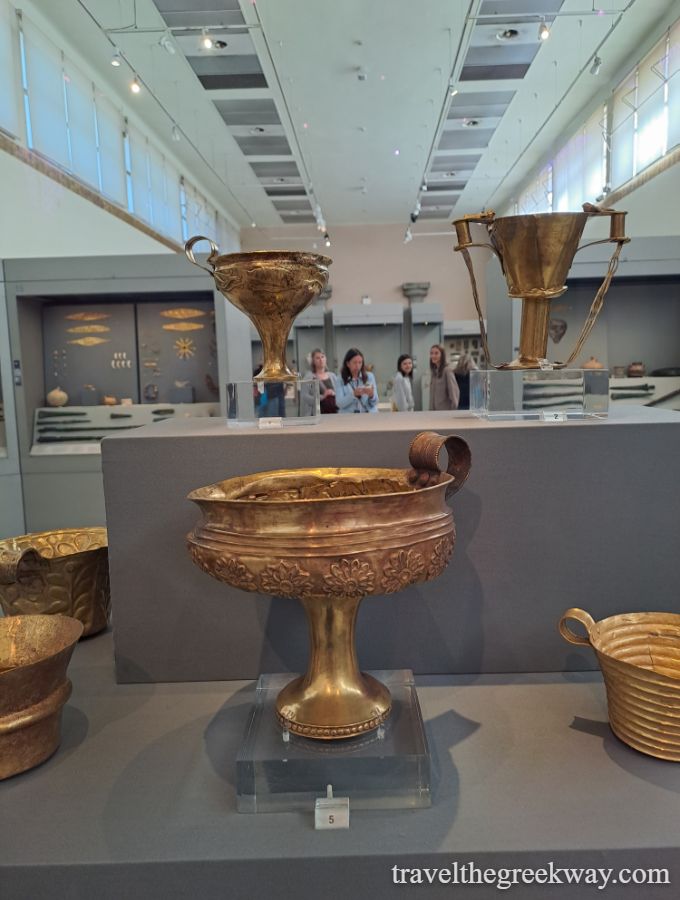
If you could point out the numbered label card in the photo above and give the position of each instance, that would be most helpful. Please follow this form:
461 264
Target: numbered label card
553 416
331 812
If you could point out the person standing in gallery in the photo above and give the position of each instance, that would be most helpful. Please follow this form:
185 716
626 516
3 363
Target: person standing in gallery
327 383
464 366
444 391
402 390
357 391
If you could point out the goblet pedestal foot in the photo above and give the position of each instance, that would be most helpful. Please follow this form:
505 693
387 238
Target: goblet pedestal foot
333 699
349 709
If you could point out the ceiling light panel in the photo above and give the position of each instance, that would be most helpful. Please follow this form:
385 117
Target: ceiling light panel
228 72
210 13
465 139
289 219
263 145
288 205
510 9
274 170
248 112
480 104
285 190
457 163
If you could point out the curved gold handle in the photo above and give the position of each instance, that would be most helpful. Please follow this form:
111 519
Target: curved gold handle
11 559
584 618
214 252
423 454
462 227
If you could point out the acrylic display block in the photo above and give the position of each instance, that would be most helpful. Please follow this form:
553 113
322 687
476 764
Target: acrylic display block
388 768
549 394
273 404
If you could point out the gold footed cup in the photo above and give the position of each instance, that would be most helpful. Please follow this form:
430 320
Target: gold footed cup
536 252
271 288
64 571
34 654
329 537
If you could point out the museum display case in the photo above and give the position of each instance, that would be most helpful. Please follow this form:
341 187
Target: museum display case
102 344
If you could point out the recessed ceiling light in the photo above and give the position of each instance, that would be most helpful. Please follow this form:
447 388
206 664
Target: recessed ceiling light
449 174
470 123
257 130
507 34
220 45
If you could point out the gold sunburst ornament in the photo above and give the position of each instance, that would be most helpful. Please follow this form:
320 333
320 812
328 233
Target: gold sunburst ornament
185 348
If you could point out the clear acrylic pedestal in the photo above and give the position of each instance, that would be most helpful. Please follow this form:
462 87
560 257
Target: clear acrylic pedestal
547 394
273 404
388 768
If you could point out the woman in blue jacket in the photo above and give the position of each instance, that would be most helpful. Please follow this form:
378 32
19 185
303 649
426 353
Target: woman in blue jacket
357 391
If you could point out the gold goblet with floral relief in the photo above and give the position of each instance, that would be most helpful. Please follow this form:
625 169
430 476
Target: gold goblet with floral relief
328 537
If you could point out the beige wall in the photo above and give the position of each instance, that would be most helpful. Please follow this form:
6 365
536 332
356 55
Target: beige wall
373 260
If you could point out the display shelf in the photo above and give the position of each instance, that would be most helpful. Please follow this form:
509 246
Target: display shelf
140 800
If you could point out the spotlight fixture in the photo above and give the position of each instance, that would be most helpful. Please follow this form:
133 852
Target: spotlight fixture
507 34
596 66
116 61
220 45
423 186
135 86
543 31
454 92
206 40
166 43
253 224
326 239
407 235
414 217
176 134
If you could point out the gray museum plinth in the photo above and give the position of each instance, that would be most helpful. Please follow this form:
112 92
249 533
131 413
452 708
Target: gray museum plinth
553 515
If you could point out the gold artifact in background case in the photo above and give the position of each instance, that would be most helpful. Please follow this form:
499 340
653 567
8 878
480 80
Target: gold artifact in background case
536 252
64 571
329 537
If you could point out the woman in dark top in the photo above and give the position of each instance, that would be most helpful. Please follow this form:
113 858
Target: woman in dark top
462 371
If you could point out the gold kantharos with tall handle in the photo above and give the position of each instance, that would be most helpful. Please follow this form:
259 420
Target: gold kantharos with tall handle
536 252
271 288
330 537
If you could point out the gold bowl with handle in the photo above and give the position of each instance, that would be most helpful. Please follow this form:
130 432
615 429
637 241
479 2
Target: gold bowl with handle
329 537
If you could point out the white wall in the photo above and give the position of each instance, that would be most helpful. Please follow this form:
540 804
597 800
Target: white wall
42 218
373 260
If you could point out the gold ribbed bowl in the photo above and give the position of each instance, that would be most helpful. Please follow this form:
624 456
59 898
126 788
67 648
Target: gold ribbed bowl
34 654
329 537
639 654
65 571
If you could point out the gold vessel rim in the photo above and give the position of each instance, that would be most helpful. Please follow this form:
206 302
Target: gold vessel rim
11 542
295 256
67 628
200 493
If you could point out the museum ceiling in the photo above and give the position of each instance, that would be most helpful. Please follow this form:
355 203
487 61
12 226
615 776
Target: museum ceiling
295 112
